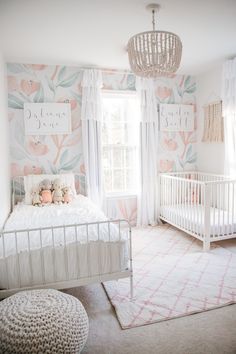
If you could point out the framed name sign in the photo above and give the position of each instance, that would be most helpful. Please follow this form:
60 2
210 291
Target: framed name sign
176 117
47 118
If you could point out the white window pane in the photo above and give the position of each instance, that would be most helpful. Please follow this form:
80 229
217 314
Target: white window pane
107 163
120 136
108 180
118 158
119 180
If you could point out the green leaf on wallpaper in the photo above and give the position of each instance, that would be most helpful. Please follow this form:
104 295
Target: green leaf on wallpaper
189 151
52 168
69 81
180 91
181 163
61 74
15 102
24 97
191 88
39 96
17 154
131 81
64 157
192 159
187 81
77 97
70 165
15 68
171 99
19 133
50 84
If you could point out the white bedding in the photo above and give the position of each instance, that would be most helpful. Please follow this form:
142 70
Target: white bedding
192 217
114 249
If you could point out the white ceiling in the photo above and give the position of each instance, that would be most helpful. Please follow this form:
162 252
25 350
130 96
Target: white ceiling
95 32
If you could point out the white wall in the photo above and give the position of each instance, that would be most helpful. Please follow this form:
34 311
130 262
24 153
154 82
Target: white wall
4 148
210 155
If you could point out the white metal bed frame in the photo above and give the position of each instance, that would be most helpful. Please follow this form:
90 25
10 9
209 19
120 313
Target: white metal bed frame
208 200
17 195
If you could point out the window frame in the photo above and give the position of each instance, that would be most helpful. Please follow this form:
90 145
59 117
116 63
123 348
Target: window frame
125 193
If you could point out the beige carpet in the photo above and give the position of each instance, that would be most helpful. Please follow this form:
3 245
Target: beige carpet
173 277
211 332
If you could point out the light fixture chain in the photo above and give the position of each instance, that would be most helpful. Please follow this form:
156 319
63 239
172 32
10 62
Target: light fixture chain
153 19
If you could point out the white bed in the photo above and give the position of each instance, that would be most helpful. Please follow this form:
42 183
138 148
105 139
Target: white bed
61 246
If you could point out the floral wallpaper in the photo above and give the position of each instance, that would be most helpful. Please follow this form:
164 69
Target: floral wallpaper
63 153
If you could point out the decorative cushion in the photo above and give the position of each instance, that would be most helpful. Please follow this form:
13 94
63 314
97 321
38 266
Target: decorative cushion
32 181
42 321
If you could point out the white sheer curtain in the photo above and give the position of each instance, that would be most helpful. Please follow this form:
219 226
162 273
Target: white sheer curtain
148 196
91 116
229 114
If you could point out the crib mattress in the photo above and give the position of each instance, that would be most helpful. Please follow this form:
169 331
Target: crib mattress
61 256
191 217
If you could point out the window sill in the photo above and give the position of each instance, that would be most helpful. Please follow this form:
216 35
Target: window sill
121 195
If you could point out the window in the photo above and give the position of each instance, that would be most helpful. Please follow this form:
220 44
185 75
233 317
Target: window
120 135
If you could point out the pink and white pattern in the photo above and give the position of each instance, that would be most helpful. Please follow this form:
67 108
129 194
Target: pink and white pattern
173 278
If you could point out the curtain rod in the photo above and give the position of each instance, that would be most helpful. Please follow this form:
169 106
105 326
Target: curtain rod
112 71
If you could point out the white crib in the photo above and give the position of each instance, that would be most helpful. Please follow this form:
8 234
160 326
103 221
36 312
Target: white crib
201 204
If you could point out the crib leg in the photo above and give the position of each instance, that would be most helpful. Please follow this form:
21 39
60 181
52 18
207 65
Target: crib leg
131 287
206 244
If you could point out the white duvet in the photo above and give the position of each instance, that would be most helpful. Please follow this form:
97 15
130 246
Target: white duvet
88 253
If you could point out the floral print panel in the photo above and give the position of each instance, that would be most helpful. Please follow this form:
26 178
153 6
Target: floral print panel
63 153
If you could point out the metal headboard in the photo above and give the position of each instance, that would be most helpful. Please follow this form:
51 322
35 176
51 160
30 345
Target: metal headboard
18 190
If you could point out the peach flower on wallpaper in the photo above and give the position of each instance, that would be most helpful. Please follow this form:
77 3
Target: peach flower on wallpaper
12 83
36 148
163 92
82 169
170 144
29 86
166 165
17 170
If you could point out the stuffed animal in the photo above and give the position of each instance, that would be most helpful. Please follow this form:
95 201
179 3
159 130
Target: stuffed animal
57 194
36 197
67 194
45 191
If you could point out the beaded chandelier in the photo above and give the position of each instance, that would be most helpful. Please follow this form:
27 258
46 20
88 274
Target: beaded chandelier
154 53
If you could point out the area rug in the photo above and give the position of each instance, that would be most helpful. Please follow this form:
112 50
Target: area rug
173 277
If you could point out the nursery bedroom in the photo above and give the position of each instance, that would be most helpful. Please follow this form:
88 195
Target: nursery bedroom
118 175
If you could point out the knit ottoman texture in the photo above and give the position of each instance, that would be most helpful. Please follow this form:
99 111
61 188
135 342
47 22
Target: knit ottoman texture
42 321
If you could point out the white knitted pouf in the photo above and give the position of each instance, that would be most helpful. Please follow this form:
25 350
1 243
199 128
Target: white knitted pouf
42 321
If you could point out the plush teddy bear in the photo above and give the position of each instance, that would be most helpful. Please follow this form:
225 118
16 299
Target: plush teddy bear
67 194
57 194
36 197
45 191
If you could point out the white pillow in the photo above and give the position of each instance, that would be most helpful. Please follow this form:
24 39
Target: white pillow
32 181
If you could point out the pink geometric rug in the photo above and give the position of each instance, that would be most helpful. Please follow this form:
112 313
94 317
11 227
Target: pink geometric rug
173 277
